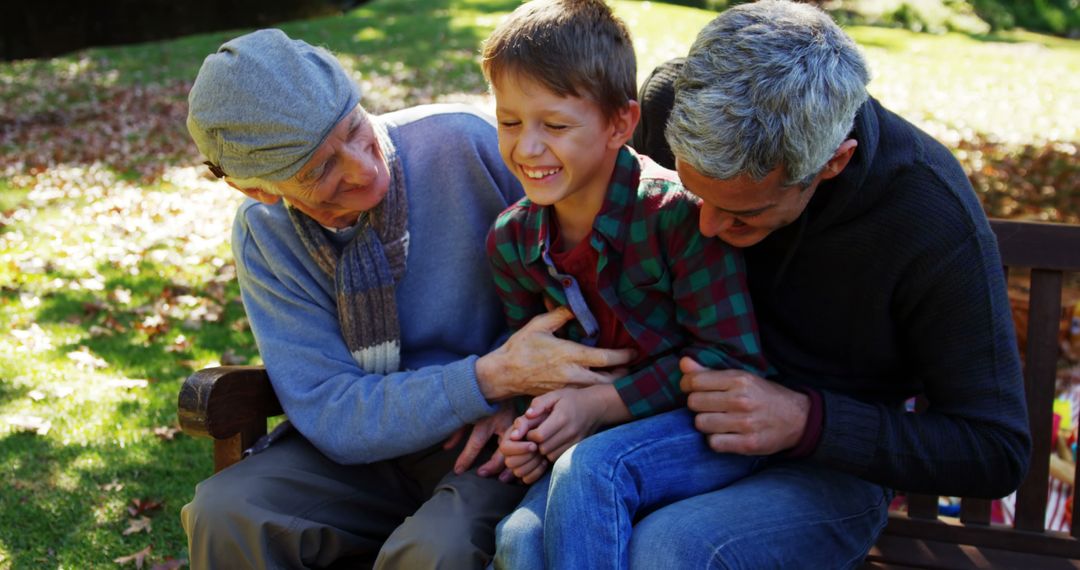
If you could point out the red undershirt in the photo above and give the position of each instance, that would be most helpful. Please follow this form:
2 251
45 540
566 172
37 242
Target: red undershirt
581 263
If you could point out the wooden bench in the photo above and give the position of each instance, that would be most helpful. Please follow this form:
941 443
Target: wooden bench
231 405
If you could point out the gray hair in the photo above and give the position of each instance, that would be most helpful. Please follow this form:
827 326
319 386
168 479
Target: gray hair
767 84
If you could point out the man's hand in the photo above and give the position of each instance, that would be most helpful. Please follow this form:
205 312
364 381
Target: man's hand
533 361
482 431
742 413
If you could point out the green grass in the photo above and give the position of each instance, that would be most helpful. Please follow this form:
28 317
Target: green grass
1016 87
114 257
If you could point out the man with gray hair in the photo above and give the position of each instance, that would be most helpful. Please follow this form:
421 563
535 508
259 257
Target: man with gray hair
875 277
361 263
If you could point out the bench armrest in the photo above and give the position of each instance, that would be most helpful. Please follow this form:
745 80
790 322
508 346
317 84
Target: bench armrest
229 404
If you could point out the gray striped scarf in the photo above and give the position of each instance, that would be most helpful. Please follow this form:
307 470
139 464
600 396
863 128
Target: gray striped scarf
367 271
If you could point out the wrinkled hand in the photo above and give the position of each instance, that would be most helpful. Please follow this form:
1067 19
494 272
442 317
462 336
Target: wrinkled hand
533 361
568 416
523 457
740 412
495 424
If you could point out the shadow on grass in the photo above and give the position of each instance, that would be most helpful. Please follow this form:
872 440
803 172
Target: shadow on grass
66 505
153 336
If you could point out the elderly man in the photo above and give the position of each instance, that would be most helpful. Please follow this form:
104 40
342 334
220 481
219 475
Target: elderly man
361 265
875 277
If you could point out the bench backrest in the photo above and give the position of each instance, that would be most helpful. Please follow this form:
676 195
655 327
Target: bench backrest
1050 251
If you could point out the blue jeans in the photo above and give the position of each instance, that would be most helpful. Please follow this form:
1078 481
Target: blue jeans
687 507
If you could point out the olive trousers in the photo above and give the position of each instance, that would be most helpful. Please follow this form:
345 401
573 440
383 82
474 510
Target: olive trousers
291 507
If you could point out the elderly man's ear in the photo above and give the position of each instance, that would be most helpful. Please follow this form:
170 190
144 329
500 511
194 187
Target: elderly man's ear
257 193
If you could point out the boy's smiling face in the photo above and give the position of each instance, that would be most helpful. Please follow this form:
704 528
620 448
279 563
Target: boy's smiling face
562 149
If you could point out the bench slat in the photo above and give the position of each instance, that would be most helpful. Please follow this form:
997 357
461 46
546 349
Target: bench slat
896 552
1039 374
1074 529
1027 244
948 529
922 506
975 511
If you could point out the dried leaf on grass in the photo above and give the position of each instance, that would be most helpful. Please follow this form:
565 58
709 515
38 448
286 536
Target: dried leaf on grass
170 564
138 558
230 358
29 424
167 433
141 506
141 524
128 383
83 359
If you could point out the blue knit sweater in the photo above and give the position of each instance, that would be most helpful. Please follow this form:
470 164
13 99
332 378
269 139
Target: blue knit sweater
456 184
890 285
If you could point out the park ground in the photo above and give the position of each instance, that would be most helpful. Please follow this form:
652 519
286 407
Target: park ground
116 278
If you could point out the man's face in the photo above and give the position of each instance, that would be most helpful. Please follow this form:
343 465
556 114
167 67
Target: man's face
742 211
346 175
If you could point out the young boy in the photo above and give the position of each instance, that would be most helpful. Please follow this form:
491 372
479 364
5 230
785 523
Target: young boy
606 233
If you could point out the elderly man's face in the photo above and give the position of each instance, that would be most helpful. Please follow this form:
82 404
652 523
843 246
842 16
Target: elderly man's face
346 175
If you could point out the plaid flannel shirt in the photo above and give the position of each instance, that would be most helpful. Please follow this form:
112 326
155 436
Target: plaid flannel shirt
677 292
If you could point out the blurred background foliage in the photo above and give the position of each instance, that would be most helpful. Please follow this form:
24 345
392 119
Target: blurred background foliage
53 27
1058 17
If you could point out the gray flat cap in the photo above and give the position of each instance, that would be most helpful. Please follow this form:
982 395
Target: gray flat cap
263 103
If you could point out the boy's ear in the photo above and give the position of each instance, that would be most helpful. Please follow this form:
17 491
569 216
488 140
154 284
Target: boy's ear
256 193
623 124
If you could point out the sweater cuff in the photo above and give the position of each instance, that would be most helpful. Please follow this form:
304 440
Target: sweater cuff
463 390
812 431
849 433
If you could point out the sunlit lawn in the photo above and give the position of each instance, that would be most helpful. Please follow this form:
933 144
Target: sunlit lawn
116 279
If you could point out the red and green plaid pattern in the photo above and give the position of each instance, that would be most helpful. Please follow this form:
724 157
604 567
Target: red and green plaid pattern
677 292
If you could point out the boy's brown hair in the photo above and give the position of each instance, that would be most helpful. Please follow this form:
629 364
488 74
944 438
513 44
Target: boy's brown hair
575 48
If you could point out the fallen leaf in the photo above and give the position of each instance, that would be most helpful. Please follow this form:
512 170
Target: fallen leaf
240 325
94 307
141 524
170 564
99 331
137 558
120 295
83 359
31 424
140 506
230 358
63 391
128 383
179 344
114 324
112 486
166 432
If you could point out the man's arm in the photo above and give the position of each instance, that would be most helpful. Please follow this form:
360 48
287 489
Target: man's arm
973 439
711 306
351 416
533 361
356 417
